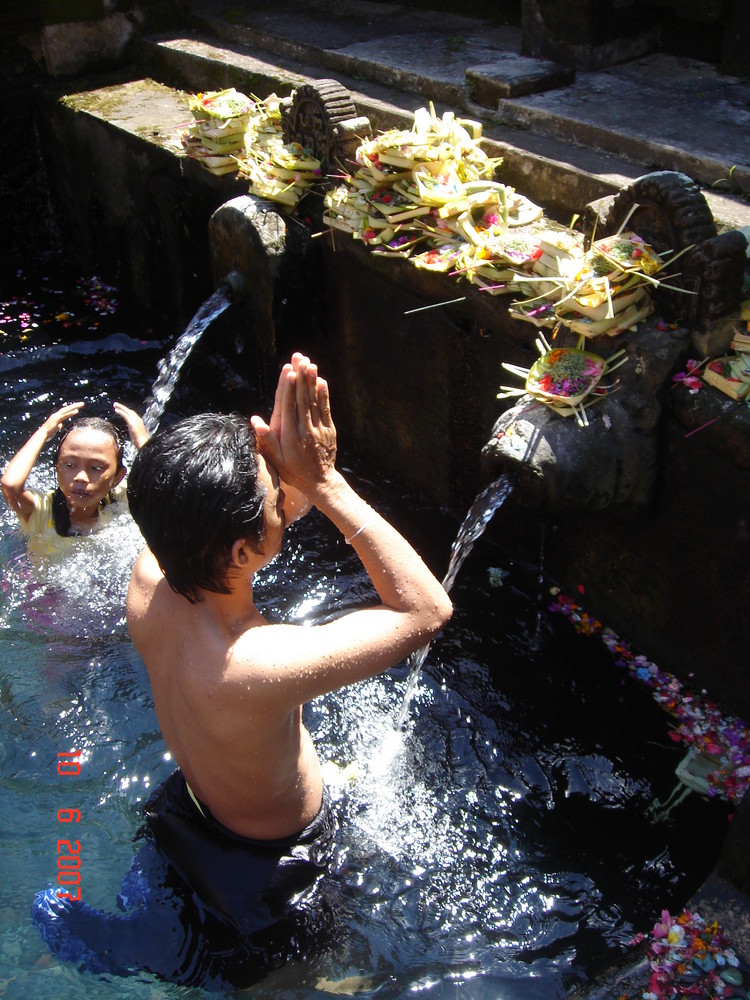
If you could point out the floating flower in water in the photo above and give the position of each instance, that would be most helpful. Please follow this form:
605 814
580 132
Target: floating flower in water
689 958
699 723
97 295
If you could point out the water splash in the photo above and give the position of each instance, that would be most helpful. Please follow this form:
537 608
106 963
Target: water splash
169 368
536 640
474 524
76 589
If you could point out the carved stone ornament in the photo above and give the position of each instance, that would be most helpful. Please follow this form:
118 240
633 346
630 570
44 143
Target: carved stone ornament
321 116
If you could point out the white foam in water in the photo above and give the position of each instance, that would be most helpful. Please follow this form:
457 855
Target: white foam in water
83 588
392 803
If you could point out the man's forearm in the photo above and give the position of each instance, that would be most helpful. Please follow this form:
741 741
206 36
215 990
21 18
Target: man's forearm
399 575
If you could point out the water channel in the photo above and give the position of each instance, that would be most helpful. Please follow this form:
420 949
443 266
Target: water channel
497 842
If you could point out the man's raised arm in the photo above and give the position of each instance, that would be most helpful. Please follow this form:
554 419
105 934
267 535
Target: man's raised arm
414 606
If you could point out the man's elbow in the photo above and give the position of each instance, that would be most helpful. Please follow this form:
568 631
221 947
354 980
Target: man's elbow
442 611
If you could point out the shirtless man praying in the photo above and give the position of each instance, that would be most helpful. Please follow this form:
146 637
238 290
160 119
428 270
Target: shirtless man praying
247 809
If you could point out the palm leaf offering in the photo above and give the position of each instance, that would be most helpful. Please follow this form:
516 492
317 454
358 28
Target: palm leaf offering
220 122
280 171
567 379
730 374
233 132
604 290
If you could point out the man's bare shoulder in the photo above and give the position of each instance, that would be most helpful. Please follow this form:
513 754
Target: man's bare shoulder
146 568
146 581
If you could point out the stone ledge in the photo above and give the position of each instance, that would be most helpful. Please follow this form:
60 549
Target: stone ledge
513 76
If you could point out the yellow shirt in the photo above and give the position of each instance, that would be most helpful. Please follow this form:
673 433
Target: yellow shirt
40 526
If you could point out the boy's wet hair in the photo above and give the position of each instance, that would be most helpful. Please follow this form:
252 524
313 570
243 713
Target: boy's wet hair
193 491
60 512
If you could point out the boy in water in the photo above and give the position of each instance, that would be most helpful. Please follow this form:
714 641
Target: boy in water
89 467
212 496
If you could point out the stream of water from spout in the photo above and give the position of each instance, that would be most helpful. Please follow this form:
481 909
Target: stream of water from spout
169 368
473 526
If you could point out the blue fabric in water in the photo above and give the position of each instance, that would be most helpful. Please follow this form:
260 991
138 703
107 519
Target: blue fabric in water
201 905
248 882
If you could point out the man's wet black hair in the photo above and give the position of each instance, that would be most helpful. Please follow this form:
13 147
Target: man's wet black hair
60 512
193 491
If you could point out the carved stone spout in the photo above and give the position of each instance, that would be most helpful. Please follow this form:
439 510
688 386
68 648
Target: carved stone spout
562 467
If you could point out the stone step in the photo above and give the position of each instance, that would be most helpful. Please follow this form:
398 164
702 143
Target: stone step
434 54
678 114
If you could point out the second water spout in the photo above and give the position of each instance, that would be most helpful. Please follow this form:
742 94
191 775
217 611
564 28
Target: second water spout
473 526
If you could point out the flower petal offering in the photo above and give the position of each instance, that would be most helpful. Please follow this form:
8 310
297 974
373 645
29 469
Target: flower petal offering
565 374
567 379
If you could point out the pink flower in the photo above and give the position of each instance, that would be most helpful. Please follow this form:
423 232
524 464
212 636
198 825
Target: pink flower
661 930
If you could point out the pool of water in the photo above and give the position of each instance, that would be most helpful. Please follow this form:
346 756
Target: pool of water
500 844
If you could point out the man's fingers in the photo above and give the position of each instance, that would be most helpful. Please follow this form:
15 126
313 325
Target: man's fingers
289 405
323 400
268 443
302 394
306 392
275 421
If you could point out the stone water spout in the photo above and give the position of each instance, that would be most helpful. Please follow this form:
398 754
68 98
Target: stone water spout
236 285
561 467
614 461
268 248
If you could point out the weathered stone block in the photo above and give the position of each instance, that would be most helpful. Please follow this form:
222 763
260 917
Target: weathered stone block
82 46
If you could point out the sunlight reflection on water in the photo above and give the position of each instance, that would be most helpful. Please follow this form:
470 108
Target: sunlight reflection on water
494 845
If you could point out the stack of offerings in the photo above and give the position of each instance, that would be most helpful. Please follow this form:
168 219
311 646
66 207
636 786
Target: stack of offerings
602 291
218 133
428 194
281 171
233 133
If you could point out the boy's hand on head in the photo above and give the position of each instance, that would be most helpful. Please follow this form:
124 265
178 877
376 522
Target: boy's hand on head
136 428
54 422
16 472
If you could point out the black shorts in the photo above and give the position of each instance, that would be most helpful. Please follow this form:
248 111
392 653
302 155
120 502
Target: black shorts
250 883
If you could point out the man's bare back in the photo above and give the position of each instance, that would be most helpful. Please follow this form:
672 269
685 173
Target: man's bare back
220 718
228 687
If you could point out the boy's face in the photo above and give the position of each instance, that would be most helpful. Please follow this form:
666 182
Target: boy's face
87 468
